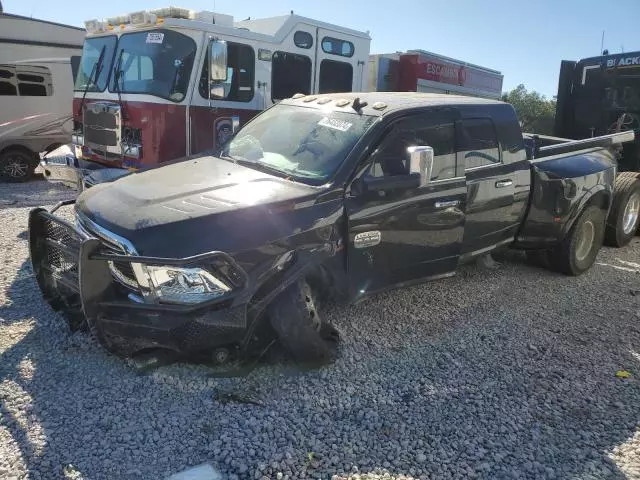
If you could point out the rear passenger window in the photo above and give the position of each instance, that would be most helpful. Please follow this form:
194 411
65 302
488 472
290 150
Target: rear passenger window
25 80
392 158
8 81
477 142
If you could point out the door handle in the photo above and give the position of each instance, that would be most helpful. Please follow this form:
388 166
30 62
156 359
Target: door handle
504 183
447 204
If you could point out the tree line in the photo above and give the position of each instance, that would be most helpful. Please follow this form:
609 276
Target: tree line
535 112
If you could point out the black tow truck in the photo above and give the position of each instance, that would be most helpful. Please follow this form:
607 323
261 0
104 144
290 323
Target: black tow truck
317 198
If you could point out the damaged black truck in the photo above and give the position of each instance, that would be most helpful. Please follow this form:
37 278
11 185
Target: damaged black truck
335 196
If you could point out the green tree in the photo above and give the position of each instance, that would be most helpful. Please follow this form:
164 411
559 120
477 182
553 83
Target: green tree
535 112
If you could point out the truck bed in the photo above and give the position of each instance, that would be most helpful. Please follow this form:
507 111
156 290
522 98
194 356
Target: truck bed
561 184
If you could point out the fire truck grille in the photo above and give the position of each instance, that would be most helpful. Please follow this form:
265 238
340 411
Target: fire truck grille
102 125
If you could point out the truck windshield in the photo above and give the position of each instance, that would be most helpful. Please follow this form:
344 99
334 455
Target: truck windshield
155 62
306 144
87 78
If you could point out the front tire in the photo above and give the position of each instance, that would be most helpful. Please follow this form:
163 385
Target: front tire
299 327
623 220
17 165
578 251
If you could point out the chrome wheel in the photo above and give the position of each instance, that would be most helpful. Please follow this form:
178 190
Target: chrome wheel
585 242
631 213
15 167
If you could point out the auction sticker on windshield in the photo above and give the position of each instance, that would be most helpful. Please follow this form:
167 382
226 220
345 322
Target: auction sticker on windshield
155 37
335 124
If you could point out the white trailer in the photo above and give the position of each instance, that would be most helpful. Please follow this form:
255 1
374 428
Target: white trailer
37 60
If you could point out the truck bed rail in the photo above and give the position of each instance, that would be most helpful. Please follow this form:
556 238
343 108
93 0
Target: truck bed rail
573 145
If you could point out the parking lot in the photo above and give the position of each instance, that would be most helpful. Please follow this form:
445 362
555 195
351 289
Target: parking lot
495 373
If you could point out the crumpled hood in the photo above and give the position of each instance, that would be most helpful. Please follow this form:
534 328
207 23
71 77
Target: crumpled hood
195 206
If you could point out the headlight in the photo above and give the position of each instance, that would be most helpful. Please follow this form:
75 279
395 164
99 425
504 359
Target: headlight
185 286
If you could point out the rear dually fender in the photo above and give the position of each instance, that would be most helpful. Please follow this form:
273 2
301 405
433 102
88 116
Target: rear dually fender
561 187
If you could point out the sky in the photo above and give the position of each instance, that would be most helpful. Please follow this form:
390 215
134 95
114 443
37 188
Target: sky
525 40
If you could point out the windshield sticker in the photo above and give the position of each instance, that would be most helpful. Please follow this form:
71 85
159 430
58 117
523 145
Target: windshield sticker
155 37
335 124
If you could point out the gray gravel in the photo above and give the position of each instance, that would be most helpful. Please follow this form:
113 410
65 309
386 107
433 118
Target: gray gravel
507 373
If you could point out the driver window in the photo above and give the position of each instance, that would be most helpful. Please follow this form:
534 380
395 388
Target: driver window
391 157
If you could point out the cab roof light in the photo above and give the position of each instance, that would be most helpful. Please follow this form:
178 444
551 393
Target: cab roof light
119 20
173 12
94 26
142 18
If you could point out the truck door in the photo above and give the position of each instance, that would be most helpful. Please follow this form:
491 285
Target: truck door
336 67
402 235
491 215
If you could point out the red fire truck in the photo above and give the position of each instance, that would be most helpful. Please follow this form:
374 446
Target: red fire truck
159 85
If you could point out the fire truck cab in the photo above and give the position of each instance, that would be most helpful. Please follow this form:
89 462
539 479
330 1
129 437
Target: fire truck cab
160 85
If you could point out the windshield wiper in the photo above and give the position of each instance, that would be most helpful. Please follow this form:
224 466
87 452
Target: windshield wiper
118 73
175 77
95 71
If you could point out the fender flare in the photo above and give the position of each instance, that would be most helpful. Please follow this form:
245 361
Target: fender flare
600 195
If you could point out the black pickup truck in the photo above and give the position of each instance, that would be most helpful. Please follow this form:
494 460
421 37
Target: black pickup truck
339 195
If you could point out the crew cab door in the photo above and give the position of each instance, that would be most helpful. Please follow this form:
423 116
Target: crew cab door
406 234
493 210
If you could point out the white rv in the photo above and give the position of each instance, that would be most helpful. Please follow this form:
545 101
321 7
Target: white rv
37 60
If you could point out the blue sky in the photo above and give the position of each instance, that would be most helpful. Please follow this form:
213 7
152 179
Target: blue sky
523 40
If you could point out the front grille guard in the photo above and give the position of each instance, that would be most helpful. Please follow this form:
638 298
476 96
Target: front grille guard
72 271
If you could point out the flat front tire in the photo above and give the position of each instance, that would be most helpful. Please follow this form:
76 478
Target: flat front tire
624 217
577 252
301 330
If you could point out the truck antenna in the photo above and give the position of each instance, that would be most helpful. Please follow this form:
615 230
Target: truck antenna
602 42
357 105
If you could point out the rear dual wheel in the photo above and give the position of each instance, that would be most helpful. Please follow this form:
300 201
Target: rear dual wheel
578 251
624 217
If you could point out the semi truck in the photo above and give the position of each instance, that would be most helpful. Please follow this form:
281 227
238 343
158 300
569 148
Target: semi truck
598 96
319 198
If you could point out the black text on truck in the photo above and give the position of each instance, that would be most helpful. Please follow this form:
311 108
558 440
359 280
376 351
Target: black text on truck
336 195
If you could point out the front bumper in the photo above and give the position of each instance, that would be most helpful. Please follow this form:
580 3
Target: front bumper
67 169
72 271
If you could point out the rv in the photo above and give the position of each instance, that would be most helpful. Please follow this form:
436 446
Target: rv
37 60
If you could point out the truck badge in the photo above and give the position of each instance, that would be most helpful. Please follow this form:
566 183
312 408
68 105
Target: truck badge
367 239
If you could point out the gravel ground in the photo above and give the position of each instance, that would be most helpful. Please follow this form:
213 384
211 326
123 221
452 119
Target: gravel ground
507 373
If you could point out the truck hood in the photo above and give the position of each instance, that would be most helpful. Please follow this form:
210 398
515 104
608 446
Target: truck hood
197 206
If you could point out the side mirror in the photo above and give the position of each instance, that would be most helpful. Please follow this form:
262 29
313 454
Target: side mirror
218 61
421 162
